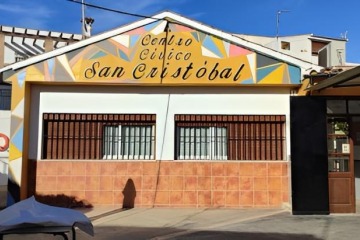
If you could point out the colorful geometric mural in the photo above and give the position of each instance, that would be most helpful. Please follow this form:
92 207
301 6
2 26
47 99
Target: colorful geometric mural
157 53
163 52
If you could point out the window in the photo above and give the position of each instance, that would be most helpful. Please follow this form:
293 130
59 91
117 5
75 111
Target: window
285 45
202 143
230 137
5 99
98 136
316 46
336 106
128 142
338 144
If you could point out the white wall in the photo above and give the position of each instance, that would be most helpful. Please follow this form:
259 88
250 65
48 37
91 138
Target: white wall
300 47
4 156
165 102
338 53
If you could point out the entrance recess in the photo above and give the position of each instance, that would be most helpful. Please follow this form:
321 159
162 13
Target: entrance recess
341 166
309 160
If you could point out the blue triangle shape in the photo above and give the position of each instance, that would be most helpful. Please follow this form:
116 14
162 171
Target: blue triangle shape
248 81
295 74
262 73
151 26
51 64
123 55
17 140
133 39
195 35
209 44
21 78
99 54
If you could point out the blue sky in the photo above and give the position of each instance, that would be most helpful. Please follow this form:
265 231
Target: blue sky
331 18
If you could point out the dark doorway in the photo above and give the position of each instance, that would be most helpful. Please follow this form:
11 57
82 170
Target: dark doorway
309 164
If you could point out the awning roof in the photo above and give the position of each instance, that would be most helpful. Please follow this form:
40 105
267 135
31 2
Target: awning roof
347 78
30 214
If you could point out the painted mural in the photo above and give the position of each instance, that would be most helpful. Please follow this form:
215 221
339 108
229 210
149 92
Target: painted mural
163 52
158 53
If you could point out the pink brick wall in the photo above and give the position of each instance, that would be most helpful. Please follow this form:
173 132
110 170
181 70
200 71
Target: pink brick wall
168 183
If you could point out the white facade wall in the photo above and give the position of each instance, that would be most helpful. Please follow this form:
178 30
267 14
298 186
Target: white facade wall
337 53
165 102
4 156
300 47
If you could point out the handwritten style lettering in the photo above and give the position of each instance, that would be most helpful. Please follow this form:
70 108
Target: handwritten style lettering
169 49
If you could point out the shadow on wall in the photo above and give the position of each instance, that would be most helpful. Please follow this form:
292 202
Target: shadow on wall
129 193
62 200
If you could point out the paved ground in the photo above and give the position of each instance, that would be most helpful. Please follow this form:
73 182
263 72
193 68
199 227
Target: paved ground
161 224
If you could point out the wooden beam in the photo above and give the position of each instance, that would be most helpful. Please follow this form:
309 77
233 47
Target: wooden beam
33 36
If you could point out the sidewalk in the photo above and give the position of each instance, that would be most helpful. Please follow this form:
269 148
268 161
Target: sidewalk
205 224
158 223
254 224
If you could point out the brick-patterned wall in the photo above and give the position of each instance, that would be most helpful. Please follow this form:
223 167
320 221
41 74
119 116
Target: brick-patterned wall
168 183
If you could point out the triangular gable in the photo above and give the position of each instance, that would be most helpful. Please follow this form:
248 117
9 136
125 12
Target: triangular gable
163 51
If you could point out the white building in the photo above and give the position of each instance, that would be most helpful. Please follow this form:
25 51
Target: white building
323 51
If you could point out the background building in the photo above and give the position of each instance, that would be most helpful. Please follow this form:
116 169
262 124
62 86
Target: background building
323 51
18 44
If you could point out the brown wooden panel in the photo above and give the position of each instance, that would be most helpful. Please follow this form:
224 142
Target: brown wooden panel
340 190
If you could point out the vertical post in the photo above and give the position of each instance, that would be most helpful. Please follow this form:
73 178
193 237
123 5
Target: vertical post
2 55
2 50
82 17
73 233
277 25
48 44
25 167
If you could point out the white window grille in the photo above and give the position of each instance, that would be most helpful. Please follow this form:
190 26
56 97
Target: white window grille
128 142
202 143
